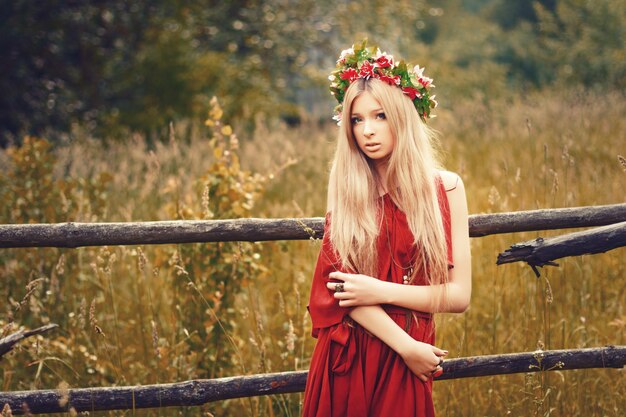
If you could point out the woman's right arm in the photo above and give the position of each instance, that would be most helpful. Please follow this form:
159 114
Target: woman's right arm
420 357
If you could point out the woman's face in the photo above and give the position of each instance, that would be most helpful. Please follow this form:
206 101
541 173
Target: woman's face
371 128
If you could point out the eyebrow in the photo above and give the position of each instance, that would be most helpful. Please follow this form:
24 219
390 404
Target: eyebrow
380 109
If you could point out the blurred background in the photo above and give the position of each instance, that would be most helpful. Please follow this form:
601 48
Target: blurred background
118 66
163 110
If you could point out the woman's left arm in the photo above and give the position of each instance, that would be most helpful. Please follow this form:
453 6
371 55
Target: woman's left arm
365 290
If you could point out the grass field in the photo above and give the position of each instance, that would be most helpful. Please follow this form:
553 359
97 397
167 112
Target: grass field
155 314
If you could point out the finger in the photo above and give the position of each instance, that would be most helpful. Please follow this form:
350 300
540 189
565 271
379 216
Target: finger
338 275
439 352
423 377
343 276
333 286
438 372
342 295
347 303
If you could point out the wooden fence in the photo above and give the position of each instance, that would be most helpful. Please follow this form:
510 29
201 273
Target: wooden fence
609 232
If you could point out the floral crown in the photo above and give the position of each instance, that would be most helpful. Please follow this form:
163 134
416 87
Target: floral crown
369 62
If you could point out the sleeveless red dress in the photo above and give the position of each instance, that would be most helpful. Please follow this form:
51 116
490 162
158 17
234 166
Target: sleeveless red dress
352 372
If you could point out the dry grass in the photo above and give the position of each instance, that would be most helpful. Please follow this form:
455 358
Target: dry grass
551 150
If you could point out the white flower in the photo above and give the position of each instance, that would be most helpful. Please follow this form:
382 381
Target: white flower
346 52
426 82
419 72
331 77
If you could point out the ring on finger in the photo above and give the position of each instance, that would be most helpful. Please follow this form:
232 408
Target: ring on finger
339 287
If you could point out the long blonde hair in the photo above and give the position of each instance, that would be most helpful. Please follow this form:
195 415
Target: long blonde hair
353 196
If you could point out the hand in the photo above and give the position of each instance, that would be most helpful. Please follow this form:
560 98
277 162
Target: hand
358 289
424 360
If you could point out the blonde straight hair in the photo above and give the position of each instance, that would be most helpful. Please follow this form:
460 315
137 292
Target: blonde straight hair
412 167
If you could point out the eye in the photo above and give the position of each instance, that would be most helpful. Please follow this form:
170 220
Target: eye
381 116
355 120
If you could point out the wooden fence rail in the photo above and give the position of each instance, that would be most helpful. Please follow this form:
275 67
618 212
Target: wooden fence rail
198 392
72 235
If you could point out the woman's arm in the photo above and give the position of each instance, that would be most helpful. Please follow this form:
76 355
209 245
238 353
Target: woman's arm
420 357
363 290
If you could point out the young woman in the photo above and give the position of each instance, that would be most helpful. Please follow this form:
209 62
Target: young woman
395 247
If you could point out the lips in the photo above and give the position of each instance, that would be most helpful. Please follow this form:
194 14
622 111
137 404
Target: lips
372 146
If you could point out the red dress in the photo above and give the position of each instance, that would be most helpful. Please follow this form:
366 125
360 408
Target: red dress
352 372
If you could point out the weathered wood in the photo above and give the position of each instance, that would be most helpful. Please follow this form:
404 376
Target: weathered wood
546 219
541 360
72 235
198 392
7 343
541 252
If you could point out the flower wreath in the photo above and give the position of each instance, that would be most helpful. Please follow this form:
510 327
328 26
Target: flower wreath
369 62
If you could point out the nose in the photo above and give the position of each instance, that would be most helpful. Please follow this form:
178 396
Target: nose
368 129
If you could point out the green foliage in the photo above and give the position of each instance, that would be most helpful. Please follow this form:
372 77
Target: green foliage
569 43
116 67
62 61
463 60
160 82
582 42
511 13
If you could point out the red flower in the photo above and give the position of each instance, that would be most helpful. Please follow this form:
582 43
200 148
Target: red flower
349 74
384 61
425 81
411 92
391 80
367 70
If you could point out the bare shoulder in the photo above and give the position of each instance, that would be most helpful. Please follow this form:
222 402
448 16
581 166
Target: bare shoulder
455 190
451 181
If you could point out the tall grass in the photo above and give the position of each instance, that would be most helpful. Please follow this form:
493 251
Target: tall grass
150 314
